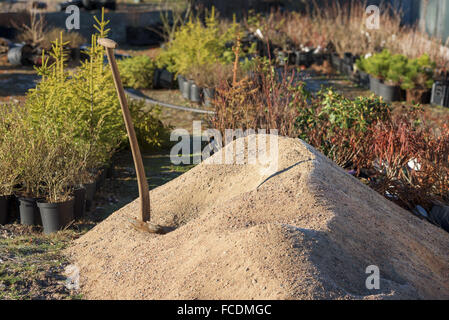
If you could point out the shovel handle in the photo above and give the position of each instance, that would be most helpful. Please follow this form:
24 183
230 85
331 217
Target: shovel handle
144 194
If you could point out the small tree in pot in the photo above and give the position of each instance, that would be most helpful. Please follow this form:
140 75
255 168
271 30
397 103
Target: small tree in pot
418 80
62 164
9 170
208 76
386 71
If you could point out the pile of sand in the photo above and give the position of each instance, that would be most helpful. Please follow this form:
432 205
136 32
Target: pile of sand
307 232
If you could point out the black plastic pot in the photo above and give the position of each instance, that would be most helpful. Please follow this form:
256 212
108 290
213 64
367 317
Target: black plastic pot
185 88
195 92
14 211
335 61
421 96
110 171
318 58
56 216
29 212
4 209
90 193
303 58
181 80
346 68
390 93
21 55
162 79
75 54
347 57
363 79
101 178
208 95
440 94
374 84
79 206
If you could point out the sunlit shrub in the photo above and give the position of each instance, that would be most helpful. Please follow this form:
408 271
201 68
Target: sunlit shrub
137 72
197 44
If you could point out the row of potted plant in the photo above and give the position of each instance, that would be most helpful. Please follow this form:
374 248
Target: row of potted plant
199 81
68 126
52 217
393 77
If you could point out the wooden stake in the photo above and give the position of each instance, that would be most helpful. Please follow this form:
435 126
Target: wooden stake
144 193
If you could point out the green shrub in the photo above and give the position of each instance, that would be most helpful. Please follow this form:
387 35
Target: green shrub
419 73
337 126
345 113
378 65
86 95
361 64
137 72
397 69
150 131
10 132
70 124
197 44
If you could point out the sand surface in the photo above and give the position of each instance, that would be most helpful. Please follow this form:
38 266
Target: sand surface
309 231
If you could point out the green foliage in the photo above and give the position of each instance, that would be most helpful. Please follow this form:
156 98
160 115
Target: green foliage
399 70
198 44
345 113
361 64
86 96
341 112
378 64
10 132
70 125
419 73
150 131
137 72
337 126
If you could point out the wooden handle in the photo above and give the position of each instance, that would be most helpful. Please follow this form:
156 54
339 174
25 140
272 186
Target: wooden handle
107 43
144 193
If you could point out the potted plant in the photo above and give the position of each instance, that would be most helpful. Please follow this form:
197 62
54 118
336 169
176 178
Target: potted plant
90 185
29 163
184 87
336 61
386 72
59 168
418 80
390 88
347 63
304 56
163 79
9 170
137 72
208 77
79 205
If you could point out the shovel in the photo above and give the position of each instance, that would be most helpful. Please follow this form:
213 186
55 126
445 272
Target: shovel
144 193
